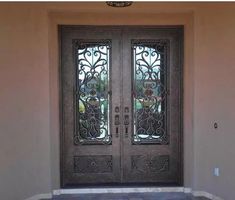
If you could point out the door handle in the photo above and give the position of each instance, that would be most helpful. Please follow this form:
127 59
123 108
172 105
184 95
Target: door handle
126 120
126 131
126 123
117 121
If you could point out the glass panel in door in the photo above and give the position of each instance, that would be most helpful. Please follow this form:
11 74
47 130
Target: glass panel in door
93 93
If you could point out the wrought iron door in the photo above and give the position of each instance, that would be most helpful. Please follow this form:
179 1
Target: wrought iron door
121 105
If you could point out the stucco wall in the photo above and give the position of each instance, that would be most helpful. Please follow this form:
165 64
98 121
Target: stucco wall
213 101
29 125
24 103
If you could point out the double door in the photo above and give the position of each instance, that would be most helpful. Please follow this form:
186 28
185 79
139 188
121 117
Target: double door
121 105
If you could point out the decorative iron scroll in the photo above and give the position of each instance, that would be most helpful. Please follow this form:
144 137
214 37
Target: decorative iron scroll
150 164
92 96
149 91
93 164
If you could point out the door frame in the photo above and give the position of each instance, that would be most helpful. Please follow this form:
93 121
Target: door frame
181 96
61 15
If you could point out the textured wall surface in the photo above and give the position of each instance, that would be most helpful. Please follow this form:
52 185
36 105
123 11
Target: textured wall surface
29 109
24 103
213 101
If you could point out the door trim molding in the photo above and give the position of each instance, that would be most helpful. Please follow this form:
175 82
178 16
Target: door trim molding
57 18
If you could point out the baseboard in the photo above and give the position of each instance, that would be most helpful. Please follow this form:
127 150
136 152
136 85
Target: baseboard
40 196
125 190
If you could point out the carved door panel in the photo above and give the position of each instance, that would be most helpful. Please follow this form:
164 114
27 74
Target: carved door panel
121 105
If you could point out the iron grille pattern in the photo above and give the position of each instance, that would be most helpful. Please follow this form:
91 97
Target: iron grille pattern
92 96
150 164
93 164
149 91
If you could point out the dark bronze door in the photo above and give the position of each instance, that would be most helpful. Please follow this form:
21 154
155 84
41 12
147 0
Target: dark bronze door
121 102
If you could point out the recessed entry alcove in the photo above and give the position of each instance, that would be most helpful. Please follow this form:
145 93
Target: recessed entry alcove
117 99
167 30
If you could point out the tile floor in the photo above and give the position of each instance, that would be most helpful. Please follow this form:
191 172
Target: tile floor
131 196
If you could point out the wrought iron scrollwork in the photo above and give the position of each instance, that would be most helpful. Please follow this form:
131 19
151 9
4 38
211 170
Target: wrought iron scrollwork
150 164
149 91
93 164
92 92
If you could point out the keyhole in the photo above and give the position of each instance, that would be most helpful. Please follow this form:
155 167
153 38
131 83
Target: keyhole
215 125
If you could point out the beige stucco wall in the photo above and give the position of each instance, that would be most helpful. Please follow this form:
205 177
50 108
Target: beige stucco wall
29 109
213 101
24 103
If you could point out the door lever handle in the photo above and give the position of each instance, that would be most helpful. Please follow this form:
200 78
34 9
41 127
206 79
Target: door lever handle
126 123
116 120
126 132
126 120
117 123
